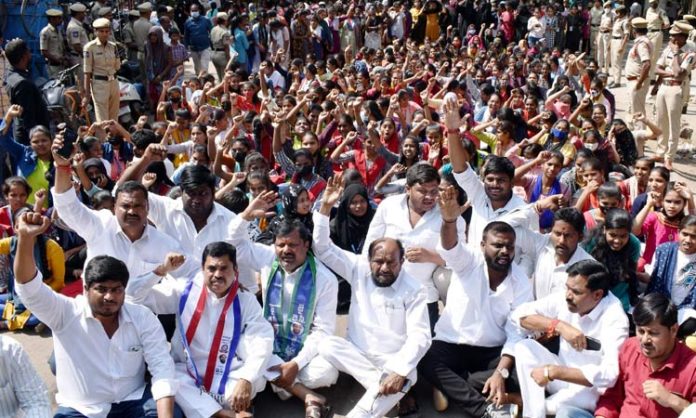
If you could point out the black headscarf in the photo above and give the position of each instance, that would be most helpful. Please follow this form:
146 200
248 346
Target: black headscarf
347 230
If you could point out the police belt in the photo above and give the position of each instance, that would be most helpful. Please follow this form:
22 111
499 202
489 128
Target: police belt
104 77
654 30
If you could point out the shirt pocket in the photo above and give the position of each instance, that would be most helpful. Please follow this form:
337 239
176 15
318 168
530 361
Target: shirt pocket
130 362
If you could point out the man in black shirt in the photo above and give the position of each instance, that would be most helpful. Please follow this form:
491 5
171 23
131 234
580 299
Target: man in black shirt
23 91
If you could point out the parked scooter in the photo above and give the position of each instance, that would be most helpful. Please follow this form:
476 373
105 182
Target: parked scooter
131 93
63 100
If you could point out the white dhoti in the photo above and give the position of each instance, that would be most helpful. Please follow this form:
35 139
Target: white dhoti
348 358
529 354
318 373
197 404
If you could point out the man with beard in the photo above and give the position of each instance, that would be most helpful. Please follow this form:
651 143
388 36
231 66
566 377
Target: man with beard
472 348
551 253
99 338
657 372
388 330
219 367
125 234
591 324
299 298
490 198
414 218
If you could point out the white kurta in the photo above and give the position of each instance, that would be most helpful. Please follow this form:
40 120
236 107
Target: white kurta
388 327
252 355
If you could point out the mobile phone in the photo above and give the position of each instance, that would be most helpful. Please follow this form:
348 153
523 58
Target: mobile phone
69 138
592 344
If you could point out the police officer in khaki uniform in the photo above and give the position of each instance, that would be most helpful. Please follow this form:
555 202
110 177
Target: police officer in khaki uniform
619 39
77 39
52 44
673 66
141 29
101 65
691 43
657 22
129 36
638 66
221 39
604 38
595 20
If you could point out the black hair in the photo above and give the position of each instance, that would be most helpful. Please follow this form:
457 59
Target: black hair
288 226
655 307
144 137
100 197
234 200
103 268
571 216
373 244
621 266
689 220
15 181
194 176
220 249
87 142
598 277
131 186
499 165
498 227
15 50
421 173
255 157
609 189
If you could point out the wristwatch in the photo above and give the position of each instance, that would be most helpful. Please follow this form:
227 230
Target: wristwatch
503 372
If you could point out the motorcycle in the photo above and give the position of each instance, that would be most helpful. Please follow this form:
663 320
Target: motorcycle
63 99
131 93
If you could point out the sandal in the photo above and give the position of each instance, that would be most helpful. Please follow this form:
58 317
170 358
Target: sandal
407 406
316 409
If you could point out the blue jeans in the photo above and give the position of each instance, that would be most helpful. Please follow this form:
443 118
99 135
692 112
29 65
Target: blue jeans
144 407
573 412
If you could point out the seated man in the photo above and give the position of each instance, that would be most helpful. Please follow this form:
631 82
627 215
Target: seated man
592 326
388 329
657 373
473 343
229 329
22 392
300 296
101 343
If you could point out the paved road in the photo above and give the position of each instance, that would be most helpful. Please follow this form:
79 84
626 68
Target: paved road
347 391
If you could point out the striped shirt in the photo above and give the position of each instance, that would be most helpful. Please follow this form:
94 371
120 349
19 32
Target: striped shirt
21 388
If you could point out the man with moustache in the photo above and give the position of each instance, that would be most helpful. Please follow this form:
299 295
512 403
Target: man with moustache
124 234
223 348
657 372
551 253
388 326
591 324
299 293
472 349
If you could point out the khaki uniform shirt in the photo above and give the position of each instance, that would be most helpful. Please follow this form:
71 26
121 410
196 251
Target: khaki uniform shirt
220 38
595 16
76 34
657 18
141 28
606 21
620 28
687 54
101 59
639 53
51 40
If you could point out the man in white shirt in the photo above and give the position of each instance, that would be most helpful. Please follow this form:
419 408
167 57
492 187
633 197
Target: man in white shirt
591 324
22 392
194 220
300 296
124 234
414 219
473 343
222 349
101 343
551 254
388 326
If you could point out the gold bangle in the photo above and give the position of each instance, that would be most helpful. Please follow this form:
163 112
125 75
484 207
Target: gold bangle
547 373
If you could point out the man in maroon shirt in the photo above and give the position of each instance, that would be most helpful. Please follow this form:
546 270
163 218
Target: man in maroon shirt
657 373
